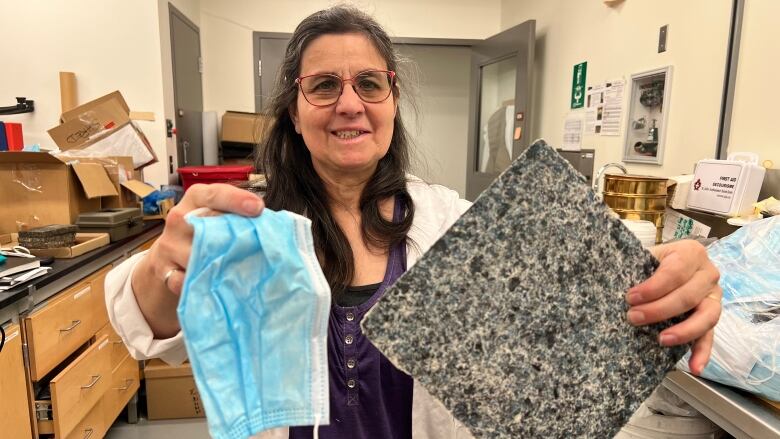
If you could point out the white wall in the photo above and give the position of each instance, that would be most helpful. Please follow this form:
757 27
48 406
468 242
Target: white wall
754 119
622 40
109 45
227 26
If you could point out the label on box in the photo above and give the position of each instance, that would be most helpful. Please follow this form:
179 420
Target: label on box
713 187
677 225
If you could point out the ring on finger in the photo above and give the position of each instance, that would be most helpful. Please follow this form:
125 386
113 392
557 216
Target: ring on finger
714 296
168 275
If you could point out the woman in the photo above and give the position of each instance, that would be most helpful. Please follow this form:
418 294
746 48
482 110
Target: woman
338 154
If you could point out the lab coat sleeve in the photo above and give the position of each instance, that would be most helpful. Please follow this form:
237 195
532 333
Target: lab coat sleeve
130 324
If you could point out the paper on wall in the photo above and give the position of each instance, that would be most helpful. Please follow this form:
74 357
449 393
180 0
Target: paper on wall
572 132
613 108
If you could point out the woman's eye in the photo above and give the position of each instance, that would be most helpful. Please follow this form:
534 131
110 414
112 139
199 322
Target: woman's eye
325 85
368 84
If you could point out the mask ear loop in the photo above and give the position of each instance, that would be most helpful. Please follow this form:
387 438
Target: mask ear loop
316 430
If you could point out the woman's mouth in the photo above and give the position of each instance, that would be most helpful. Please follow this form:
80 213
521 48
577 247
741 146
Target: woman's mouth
348 134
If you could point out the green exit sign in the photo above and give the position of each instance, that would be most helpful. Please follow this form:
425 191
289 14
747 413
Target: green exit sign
578 85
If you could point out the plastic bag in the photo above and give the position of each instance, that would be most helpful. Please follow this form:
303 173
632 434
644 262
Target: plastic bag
746 350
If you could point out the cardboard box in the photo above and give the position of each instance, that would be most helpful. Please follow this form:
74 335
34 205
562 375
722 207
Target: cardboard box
244 127
39 189
171 392
127 181
103 127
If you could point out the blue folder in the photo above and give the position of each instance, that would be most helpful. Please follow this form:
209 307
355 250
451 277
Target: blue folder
3 138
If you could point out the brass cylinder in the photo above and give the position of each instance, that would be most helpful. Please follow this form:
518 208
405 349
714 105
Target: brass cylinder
637 197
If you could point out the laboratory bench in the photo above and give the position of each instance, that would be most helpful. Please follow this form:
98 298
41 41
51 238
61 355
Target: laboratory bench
49 351
65 372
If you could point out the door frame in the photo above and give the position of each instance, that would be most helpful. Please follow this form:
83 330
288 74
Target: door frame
171 12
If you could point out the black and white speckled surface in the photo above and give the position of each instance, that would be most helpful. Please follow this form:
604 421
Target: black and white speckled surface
515 319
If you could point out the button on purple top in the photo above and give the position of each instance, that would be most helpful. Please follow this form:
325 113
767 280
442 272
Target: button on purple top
369 397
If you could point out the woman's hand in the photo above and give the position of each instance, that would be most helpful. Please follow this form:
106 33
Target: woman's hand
172 249
686 280
159 276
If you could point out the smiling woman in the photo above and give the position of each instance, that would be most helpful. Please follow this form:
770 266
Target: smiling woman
338 129
338 154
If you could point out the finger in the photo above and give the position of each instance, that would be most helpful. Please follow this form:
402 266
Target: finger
671 274
176 282
171 253
222 197
675 303
173 246
694 327
700 353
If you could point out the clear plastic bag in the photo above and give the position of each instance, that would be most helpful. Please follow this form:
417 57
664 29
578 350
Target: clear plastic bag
746 351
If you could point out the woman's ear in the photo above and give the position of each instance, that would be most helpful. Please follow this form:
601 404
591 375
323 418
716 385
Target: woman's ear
293 111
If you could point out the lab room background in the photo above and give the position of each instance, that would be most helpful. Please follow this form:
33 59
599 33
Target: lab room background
716 105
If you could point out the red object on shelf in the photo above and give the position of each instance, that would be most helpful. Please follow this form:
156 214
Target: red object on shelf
213 174
13 131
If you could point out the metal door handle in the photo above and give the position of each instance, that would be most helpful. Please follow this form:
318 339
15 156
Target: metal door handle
128 383
185 145
70 328
88 433
95 379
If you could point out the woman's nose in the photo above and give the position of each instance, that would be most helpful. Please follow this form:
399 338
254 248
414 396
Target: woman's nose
349 102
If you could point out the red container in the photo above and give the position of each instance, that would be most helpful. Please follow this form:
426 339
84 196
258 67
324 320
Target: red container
213 174
13 131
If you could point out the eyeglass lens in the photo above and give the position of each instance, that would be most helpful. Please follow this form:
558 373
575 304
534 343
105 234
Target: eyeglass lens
325 89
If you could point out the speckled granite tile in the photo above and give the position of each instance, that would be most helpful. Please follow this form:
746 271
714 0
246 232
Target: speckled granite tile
515 319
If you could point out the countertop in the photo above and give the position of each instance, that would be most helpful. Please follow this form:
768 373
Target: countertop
65 272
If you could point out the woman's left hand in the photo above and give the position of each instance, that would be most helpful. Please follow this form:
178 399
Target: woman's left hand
686 280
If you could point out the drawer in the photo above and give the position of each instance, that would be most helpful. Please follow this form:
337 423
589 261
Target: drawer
65 323
14 400
80 386
118 349
91 427
125 381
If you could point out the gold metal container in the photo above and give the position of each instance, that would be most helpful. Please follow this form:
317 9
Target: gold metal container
637 197
654 203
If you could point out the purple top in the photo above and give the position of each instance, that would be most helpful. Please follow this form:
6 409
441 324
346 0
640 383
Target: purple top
369 397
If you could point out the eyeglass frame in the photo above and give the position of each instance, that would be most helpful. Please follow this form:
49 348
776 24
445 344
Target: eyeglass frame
391 73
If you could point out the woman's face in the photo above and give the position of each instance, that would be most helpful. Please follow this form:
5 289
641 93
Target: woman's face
350 135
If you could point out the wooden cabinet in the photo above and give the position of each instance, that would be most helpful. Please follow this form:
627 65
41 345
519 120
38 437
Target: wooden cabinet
94 376
14 405
65 323
77 375
80 386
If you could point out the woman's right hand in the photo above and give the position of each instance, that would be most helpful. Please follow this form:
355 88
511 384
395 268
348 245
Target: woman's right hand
157 296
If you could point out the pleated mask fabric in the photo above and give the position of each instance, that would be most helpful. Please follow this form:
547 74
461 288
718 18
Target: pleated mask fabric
516 318
254 311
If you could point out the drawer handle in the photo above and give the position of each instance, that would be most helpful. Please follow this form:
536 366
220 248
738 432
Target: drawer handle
88 433
95 379
128 383
70 328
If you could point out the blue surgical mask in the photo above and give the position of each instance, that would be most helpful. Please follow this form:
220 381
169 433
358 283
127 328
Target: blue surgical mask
254 311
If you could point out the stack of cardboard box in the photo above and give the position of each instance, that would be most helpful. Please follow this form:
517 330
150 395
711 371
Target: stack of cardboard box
39 188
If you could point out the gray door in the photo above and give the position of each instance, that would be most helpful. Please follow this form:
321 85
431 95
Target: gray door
499 121
187 88
270 55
